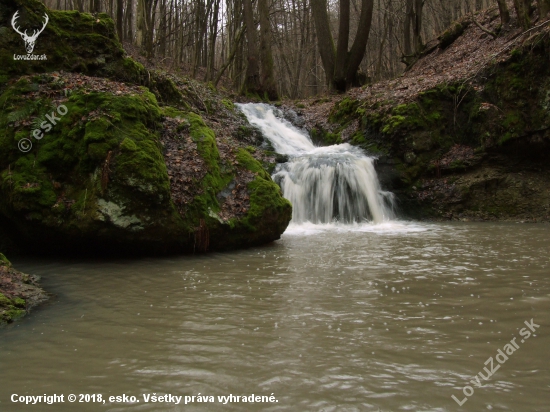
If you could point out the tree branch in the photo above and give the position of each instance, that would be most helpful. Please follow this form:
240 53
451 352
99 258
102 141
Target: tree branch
489 32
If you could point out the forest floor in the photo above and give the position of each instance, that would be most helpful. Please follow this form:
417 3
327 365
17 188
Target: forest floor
461 61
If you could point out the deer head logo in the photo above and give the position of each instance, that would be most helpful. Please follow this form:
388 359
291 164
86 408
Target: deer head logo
29 40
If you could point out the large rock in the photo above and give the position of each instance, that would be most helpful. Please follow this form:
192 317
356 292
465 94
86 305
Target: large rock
90 164
19 292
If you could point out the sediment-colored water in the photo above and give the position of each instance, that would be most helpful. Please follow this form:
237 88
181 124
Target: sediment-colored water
387 317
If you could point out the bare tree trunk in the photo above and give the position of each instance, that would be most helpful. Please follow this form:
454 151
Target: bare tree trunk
359 46
417 26
324 37
96 6
523 10
409 15
381 48
150 17
130 21
140 23
326 43
544 7
162 29
252 81
342 46
120 19
504 13
79 6
212 41
266 58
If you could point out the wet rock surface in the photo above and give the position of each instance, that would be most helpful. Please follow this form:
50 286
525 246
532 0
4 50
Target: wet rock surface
19 292
464 134
141 162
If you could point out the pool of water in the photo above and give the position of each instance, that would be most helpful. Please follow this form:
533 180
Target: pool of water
392 317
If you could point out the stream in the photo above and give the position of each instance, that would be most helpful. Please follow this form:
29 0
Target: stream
397 316
352 310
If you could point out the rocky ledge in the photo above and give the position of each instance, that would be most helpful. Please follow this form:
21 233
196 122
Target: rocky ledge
19 292
100 155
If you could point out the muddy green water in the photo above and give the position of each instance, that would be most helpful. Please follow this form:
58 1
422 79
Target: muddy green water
397 317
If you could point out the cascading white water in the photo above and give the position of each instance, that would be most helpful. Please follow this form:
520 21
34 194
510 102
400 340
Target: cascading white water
324 184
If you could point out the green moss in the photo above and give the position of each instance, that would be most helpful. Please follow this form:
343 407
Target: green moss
4 260
344 111
218 177
4 300
172 112
19 302
228 104
321 136
104 141
449 36
264 195
11 310
128 145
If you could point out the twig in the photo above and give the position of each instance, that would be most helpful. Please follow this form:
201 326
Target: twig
489 32
199 97
84 205
230 58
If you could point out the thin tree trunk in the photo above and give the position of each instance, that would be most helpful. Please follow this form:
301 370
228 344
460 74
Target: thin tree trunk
417 27
120 19
523 10
212 42
162 29
359 46
339 78
130 21
544 7
266 58
409 13
236 45
252 81
504 13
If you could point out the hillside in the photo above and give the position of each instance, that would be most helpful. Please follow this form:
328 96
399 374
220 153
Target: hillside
464 133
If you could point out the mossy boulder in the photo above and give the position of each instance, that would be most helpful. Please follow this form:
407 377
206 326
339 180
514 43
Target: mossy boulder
97 180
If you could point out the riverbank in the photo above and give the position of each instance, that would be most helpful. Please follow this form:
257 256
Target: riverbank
19 292
464 134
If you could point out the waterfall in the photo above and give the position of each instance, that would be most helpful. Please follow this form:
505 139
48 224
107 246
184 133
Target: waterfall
324 184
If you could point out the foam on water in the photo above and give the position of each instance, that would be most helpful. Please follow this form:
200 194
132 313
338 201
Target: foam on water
384 228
